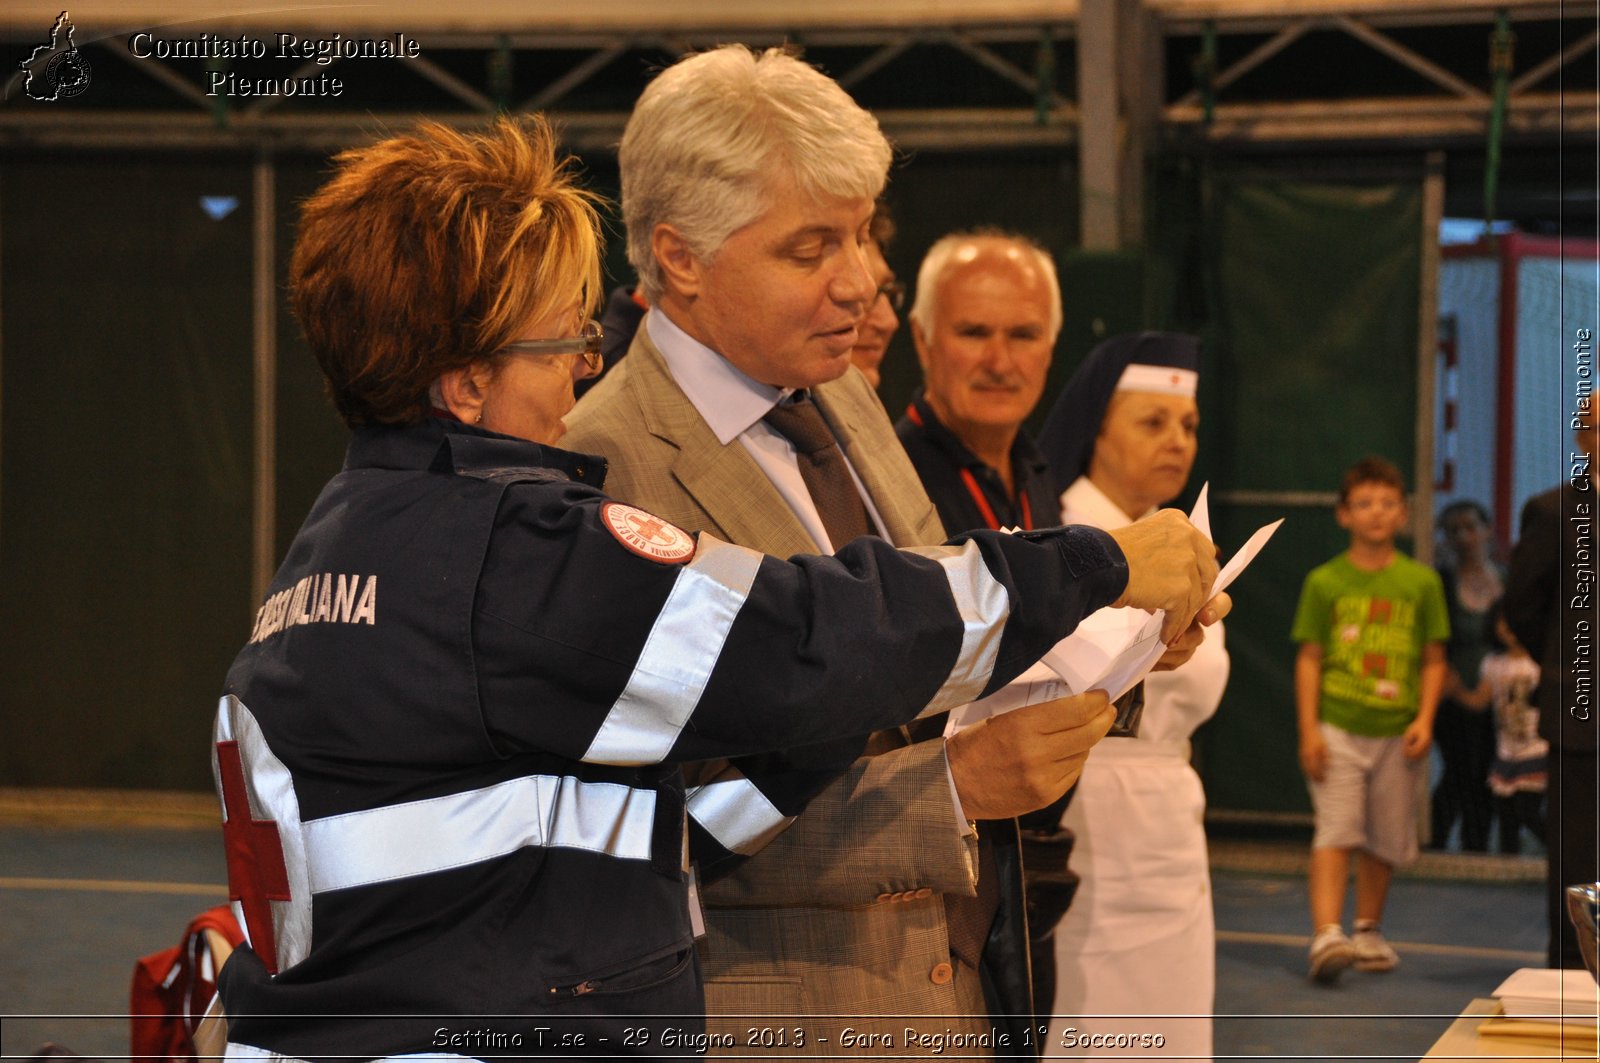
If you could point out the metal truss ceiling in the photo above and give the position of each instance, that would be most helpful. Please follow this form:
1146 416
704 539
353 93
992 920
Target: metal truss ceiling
1401 73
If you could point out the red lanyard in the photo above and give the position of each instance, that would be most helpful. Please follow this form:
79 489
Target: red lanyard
988 512
977 492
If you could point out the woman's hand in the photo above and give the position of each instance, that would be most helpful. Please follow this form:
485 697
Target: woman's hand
1189 641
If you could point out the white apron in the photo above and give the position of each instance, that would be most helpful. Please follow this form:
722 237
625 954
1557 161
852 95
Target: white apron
1139 940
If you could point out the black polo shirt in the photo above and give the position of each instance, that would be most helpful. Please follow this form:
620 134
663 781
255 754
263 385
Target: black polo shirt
968 493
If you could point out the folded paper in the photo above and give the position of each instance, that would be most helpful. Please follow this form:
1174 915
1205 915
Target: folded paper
1112 649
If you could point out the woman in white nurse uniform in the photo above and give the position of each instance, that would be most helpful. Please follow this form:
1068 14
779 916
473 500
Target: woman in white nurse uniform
1139 940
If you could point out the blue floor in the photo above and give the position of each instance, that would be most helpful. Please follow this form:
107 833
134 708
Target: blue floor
78 906
1456 941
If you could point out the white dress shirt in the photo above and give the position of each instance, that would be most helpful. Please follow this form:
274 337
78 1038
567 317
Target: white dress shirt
733 405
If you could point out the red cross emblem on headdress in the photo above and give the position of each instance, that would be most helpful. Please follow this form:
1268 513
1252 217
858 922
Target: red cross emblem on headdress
256 872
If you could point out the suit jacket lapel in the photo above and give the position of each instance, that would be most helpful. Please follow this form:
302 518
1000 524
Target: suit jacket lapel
724 481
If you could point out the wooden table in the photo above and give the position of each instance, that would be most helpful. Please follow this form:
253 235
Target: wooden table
1461 1041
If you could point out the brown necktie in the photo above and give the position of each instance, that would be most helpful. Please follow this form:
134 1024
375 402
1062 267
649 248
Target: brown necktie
822 467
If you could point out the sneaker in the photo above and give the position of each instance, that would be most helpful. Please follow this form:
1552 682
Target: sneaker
1331 952
1372 952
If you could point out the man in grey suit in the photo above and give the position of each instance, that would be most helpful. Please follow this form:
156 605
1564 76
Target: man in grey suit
748 183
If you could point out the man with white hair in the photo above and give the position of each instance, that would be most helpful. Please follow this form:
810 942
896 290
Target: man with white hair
985 320
984 323
748 183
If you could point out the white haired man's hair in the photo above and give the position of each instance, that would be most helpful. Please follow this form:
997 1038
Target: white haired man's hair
938 259
707 134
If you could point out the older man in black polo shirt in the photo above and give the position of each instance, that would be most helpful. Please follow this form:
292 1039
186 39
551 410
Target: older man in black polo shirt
987 311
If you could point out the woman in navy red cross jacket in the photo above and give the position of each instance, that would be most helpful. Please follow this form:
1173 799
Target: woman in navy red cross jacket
448 754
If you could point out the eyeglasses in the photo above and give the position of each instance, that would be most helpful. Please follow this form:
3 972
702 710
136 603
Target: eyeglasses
895 292
586 343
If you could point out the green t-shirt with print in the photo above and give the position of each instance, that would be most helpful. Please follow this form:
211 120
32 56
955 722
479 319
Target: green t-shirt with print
1372 627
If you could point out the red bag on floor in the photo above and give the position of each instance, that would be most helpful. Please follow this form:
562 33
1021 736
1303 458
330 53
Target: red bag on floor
172 988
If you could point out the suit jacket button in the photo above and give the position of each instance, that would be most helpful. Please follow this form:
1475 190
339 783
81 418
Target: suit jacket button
925 891
882 897
941 974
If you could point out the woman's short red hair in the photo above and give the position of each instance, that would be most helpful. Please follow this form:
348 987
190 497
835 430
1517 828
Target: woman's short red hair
428 252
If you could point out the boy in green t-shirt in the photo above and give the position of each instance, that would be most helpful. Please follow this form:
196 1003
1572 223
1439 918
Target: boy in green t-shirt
1372 625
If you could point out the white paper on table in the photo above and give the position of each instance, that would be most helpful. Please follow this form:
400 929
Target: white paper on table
1112 649
1537 992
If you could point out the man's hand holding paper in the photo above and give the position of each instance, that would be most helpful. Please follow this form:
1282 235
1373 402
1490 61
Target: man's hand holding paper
1020 761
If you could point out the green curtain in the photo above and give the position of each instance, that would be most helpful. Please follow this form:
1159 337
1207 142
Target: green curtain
1312 290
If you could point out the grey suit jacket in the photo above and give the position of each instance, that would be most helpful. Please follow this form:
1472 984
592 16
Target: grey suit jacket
842 914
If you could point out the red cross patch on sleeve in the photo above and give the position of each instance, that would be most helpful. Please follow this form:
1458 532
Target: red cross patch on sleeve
256 872
646 534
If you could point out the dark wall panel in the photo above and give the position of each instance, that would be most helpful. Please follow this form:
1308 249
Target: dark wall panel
311 438
1312 366
124 465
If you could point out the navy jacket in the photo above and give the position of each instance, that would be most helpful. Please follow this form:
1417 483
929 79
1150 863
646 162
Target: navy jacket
447 755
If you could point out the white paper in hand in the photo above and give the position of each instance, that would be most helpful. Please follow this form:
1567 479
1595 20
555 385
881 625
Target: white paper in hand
1037 684
1112 649
1247 553
1200 515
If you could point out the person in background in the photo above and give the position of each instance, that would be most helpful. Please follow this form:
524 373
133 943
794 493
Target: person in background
1518 774
882 319
1140 937
1463 732
1372 626
985 320
1551 606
